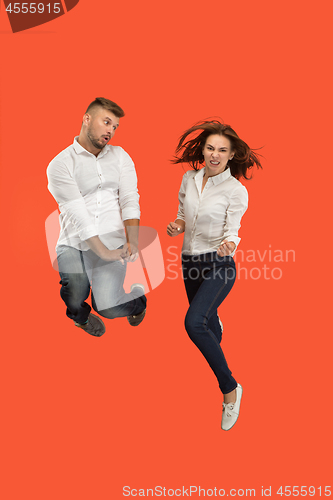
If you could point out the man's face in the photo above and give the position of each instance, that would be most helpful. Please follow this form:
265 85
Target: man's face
101 127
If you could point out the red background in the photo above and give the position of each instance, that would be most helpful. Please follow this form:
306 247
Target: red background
83 417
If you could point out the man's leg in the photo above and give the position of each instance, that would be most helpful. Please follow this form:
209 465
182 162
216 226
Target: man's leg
108 295
75 287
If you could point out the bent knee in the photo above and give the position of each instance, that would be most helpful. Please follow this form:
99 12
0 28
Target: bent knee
110 313
195 324
74 282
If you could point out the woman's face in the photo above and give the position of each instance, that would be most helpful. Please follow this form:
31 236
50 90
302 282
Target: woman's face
217 151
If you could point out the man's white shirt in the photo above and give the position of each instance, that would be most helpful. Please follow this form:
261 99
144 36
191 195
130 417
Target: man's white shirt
95 194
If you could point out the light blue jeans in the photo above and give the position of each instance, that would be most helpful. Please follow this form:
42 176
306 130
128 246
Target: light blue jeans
82 271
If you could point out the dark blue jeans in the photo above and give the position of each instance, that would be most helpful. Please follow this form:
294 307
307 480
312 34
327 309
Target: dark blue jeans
208 279
81 270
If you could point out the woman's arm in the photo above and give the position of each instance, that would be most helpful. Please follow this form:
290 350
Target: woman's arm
236 209
226 248
178 227
175 228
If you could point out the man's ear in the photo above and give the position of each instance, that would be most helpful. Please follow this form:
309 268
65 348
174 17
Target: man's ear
86 119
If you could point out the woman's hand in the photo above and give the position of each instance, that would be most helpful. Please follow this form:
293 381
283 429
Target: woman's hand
226 248
174 229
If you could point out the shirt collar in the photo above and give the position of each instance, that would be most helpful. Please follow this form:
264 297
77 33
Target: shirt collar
216 179
79 149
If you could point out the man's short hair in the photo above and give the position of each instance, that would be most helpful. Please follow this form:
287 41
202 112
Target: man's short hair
106 104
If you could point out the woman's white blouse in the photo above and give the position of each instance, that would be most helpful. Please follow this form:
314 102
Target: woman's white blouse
212 215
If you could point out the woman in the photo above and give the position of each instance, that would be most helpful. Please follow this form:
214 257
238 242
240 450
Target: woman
211 204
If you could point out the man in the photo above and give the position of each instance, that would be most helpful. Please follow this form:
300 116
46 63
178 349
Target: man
95 185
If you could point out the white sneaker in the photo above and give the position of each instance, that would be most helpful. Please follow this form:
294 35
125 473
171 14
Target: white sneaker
230 411
221 324
139 286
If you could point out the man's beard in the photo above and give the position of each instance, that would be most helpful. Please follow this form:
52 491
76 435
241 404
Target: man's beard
95 142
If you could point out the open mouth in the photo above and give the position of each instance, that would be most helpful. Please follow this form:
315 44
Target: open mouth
214 162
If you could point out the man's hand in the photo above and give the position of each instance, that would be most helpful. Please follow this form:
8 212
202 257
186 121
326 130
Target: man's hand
132 252
226 248
128 253
113 255
104 253
174 229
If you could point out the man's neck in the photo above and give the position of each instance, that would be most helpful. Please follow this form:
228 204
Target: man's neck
86 144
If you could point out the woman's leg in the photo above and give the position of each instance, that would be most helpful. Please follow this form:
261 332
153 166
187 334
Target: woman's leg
206 291
193 278
215 326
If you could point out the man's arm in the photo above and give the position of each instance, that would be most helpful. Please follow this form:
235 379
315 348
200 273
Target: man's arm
129 202
132 234
104 253
64 189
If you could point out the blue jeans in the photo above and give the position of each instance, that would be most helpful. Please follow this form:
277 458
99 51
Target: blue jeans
208 279
80 271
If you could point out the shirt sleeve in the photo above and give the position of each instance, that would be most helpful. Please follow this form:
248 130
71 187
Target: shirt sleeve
181 196
65 191
235 211
128 192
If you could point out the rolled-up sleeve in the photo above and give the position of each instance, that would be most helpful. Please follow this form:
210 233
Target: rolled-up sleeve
72 206
237 207
128 191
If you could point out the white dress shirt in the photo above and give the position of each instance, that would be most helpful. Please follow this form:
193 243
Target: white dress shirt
95 194
212 215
